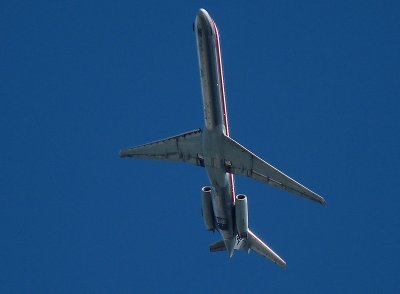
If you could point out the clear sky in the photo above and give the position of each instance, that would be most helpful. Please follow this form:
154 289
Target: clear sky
313 87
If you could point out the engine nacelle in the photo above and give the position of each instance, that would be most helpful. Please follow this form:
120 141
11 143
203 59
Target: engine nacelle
241 215
207 208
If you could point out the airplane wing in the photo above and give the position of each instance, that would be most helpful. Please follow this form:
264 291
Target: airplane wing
186 147
238 160
254 243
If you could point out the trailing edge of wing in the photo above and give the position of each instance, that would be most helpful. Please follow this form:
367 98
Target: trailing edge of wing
186 147
255 244
240 161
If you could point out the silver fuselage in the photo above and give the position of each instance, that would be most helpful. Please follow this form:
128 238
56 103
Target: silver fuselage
216 124
222 156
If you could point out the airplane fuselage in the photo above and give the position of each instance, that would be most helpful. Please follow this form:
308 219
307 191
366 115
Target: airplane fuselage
216 124
221 156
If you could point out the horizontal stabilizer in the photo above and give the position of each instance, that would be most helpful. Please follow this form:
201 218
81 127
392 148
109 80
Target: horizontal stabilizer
218 246
240 161
186 147
254 243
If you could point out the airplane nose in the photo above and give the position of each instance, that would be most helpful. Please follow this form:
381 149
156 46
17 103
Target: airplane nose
202 17
202 12
204 21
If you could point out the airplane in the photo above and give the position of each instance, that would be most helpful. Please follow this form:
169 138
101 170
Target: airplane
221 156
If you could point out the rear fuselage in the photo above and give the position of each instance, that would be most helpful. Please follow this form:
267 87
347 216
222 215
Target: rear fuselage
216 124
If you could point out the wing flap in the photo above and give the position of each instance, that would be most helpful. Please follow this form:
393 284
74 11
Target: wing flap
240 161
186 147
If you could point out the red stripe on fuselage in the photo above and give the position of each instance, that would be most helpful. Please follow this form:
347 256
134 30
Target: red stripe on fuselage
221 78
222 90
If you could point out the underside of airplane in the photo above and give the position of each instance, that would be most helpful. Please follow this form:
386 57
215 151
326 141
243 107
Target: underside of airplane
221 156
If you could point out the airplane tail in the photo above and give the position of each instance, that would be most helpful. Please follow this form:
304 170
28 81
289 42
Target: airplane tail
224 245
251 242
218 246
254 243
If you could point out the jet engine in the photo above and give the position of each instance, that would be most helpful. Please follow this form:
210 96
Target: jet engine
241 215
207 208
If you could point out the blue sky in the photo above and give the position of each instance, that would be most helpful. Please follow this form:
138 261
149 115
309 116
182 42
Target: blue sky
312 87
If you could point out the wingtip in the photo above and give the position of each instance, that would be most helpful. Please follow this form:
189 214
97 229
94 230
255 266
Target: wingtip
122 153
280 262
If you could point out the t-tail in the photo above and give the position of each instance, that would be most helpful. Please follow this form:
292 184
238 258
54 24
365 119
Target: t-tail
245 239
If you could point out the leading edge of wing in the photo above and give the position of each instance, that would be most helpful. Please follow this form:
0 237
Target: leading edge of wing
186 147
255 244
240 161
